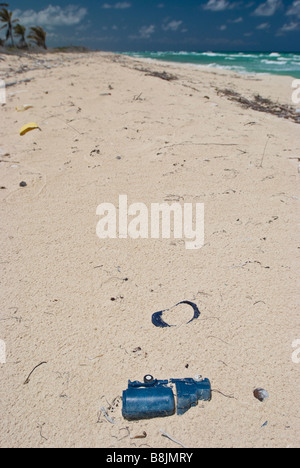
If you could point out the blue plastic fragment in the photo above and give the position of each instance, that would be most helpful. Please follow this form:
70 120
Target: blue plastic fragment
189 392
156 399
158 321
148 400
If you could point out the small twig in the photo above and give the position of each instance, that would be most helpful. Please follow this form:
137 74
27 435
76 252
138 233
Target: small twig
138 98
28 378
227 396
171 438
40 427
264 153
239 266
94 359
217 338
124 429
66 123
197 144
140 436
12 162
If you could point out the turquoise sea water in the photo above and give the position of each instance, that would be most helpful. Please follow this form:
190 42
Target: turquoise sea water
268 63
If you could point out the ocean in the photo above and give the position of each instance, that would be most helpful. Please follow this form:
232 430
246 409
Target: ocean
267 63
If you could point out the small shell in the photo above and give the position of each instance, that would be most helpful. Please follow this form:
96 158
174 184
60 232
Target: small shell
261 394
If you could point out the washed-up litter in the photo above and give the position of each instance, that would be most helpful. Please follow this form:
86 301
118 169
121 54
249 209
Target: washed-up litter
261 394
24 108
28 127
156 398
13 83
165 434
158 321
108 419
140 436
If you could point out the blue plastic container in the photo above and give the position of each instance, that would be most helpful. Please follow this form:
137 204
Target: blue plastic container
190 391
156 398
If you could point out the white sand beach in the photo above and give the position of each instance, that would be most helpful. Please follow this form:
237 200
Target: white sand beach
80 307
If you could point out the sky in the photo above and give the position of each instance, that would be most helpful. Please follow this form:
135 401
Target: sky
165 25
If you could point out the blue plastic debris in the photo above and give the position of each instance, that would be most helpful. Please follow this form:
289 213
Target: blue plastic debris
156 398
158 321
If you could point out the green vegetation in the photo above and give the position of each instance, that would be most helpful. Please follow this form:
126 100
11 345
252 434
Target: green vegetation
20 32
36 35
6 18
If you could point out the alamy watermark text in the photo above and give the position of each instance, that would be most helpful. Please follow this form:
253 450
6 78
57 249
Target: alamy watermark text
296 93
2 92
137 221
2 352
296 353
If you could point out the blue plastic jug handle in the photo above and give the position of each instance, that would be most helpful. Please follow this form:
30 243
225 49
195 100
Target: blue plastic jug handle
158 321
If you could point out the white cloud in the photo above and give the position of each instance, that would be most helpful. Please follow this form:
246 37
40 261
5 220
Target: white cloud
172 25
263 26
117 6
122 5
268 8
219 5
294 9
223 27
237 20
52 16
146 31
289 27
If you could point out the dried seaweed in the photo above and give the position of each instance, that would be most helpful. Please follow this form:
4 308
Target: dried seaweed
260 104
163 75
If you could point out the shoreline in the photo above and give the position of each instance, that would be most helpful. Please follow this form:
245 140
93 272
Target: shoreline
84 50
215 65
211 68
112 125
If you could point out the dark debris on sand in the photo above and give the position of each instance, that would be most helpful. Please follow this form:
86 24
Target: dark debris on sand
260 104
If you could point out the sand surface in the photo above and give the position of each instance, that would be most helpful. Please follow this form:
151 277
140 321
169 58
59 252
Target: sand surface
109 129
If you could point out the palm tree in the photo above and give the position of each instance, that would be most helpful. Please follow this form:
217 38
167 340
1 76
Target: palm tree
20 31
38 35
2 5
6 17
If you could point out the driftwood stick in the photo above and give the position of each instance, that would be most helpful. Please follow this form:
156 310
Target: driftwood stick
28 378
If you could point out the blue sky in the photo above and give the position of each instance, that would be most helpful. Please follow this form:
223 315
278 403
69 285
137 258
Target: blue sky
192 25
